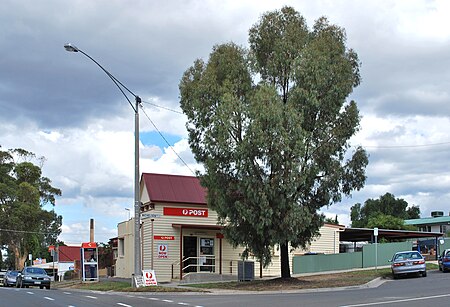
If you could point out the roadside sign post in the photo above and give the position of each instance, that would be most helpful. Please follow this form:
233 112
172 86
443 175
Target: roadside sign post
375 233
152 217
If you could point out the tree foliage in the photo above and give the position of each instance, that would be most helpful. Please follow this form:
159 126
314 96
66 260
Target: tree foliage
26 227
386 212
277 150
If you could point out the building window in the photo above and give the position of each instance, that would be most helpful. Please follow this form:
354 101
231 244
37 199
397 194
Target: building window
121 247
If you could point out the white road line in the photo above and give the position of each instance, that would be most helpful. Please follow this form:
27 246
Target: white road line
167 301
153 298
125 305
92 297
184 304
399 300
49 298
30 292
67 293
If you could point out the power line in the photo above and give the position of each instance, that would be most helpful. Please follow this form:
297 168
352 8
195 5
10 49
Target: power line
407 146
25 231
162 107
165 140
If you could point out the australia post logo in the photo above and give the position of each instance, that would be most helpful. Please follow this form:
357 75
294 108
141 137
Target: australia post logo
191 212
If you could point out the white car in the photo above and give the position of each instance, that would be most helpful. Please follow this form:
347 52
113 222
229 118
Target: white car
408 262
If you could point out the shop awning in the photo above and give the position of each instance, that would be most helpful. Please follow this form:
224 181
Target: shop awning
197 226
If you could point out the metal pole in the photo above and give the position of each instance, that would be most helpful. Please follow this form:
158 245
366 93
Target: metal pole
376 252
137 207
152 243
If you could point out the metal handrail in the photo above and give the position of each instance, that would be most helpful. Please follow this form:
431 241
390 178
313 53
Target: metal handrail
230 269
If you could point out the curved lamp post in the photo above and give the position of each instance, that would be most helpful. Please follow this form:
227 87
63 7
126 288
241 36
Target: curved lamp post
137 209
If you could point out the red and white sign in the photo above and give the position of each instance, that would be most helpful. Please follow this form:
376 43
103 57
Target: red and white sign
192 212
51 248
165 238
89 245
163 251
149 278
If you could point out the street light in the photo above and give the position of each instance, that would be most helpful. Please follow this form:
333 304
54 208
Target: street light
128 209
137 209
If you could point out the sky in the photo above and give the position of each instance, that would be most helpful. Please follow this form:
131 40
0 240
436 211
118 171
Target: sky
62 106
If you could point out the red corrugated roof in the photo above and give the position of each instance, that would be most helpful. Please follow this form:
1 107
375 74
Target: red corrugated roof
174 189
69 253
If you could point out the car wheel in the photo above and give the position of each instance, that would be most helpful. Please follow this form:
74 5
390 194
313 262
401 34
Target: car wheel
48 287
41 287
424 274
440 268
395 276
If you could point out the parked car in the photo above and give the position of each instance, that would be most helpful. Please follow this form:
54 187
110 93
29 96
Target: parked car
408 262
10 278
31 276
444 260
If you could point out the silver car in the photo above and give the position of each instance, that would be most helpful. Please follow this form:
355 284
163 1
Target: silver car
408 262
10 278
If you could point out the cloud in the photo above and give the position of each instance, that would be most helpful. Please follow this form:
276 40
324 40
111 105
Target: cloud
62 106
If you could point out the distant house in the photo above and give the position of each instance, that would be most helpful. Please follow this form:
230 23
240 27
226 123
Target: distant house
436 223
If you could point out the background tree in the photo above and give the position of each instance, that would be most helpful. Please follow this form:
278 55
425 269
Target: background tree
330 220
26 226
386 212
274 152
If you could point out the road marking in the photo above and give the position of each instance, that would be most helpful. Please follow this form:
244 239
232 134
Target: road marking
30 292
184 304
167 301
67 293
125 305
92 297
398 301
49 298
153 298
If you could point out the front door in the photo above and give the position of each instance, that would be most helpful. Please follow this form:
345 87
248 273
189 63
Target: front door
190 254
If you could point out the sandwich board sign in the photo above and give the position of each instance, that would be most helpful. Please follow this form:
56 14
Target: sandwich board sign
149 278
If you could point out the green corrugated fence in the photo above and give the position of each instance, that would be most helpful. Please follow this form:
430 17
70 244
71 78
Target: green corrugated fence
345 261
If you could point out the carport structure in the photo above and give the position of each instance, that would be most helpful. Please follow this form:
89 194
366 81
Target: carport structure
367 235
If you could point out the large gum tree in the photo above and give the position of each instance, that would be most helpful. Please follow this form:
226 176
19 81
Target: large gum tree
271 124
26 227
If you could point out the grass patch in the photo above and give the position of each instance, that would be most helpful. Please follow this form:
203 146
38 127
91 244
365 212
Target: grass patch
305 282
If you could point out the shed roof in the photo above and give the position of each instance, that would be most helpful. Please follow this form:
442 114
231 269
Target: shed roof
429 221
69 253
174 189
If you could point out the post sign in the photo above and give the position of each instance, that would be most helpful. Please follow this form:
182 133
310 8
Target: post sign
164 238
149 278
191 212
163 251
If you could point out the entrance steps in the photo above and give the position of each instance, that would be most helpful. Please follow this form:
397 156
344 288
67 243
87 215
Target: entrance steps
191 278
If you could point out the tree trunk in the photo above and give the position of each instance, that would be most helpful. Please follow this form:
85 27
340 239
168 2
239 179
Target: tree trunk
284 254
19 258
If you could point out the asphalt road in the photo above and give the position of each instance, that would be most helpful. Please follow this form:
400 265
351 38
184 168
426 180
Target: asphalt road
411 291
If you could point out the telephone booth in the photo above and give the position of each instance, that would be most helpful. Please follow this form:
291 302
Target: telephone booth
89 261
